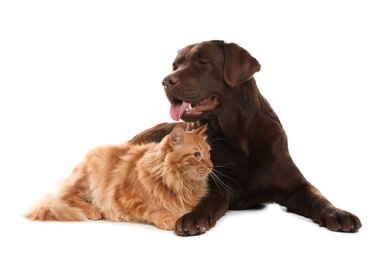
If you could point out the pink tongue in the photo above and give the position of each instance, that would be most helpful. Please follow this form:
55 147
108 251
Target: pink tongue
177 110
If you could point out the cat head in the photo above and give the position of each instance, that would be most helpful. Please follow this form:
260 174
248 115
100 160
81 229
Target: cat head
190 152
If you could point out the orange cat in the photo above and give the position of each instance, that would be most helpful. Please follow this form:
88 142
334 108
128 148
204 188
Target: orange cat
150 183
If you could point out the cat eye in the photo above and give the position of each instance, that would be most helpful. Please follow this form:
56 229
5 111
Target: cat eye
196 155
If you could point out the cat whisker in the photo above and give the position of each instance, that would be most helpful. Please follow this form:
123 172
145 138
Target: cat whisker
210 141
225 176
220 184
223 165
223 171
215 129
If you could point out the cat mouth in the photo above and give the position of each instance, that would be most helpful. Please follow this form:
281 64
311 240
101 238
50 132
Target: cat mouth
203 175
193 111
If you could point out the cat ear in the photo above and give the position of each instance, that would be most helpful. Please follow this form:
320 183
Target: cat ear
176 136
201 129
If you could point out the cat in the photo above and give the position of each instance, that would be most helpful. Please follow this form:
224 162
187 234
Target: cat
154 183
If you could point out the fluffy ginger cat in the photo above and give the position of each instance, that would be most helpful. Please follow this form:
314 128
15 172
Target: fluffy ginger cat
154 183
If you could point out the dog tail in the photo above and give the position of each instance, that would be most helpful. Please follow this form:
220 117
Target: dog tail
51 208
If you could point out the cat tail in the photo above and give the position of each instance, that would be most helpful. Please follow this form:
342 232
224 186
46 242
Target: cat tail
52 208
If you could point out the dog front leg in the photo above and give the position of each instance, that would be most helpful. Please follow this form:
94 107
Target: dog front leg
205 215
309 202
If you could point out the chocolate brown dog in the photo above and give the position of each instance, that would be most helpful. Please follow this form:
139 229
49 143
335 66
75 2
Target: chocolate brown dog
212 82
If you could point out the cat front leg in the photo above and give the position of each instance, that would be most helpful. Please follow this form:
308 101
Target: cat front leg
92 212
163 219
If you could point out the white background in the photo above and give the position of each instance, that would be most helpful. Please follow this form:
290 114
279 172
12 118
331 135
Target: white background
76 74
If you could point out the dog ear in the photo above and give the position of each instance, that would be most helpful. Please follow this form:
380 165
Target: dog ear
240 66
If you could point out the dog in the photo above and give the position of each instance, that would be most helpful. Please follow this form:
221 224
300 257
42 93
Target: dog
212 82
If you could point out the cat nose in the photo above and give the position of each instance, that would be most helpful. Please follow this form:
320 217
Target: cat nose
211 166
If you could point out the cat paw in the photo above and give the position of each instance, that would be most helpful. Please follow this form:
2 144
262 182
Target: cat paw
338 220
193 223
167 224
93 214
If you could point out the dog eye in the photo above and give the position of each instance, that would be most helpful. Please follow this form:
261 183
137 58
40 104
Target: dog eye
174 67
204 62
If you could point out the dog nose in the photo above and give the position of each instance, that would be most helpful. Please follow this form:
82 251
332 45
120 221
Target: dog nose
170 82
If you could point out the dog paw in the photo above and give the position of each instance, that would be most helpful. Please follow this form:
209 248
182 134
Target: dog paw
193 223
338 220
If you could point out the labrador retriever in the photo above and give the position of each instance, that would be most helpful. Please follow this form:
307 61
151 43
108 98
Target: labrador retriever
212 82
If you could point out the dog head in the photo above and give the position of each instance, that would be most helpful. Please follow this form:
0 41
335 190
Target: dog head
202 76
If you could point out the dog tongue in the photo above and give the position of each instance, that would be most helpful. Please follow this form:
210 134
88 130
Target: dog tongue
176 110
